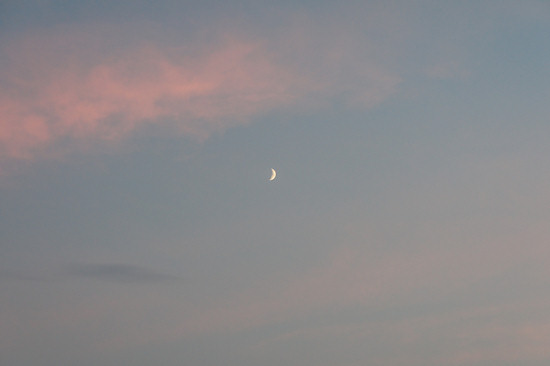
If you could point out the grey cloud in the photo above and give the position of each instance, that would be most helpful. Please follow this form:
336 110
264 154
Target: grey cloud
118 273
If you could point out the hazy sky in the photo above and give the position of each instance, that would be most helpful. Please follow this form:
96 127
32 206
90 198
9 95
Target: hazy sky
407 225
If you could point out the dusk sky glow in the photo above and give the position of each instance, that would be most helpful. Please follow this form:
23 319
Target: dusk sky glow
407 224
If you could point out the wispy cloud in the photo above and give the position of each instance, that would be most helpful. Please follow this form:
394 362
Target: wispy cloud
65 96
62 92
358 276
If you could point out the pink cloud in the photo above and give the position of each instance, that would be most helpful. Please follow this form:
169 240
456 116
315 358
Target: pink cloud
62 92
356 276
77 88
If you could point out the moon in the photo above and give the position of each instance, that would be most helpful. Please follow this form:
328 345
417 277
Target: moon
273 174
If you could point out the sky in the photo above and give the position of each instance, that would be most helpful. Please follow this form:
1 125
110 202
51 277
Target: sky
407 224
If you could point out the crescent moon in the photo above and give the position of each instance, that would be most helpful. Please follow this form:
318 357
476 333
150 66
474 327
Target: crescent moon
273 174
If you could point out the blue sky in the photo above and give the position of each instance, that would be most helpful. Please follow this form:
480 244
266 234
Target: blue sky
407 224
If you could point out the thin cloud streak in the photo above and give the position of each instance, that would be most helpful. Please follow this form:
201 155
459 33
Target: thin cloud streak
118 273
